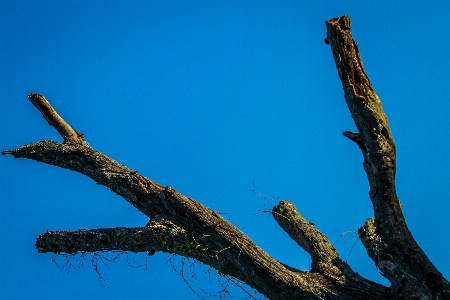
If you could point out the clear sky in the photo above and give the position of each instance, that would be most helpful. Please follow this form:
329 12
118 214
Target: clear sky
215 98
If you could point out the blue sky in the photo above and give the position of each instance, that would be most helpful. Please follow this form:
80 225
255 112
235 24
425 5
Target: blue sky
215 98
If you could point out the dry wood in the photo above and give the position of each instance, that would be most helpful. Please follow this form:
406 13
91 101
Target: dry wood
183 226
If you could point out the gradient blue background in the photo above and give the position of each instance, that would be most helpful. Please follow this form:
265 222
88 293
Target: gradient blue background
214 99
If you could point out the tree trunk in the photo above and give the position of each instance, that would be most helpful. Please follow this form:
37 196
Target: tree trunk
183 226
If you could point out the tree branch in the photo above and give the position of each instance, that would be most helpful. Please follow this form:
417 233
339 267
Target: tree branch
184 226
373 129
156 236
69 134
406 266
221 245
323 255
228 249
325 259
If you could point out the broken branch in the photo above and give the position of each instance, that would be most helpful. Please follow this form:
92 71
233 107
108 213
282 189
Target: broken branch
69 134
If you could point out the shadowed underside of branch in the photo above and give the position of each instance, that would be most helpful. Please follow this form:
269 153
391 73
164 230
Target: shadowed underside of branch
183 226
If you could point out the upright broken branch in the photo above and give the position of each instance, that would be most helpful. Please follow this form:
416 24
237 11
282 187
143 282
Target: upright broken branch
387 239
69 134
180 225
323 255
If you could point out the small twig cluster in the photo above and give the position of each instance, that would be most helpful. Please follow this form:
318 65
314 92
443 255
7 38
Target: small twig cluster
78 260
191 270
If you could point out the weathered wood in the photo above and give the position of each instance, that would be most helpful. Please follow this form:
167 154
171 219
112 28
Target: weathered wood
69 134
183 226
387 239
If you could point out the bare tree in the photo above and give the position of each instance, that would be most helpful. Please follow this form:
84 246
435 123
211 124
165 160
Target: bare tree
182 226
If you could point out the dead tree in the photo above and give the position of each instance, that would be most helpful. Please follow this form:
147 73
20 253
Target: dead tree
182 226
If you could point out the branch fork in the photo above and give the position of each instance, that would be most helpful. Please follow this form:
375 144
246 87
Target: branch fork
180 225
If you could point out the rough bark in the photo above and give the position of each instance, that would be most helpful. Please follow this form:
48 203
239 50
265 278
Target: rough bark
387 239
183 226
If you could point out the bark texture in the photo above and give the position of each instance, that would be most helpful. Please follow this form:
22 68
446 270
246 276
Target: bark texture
180 225
386 238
